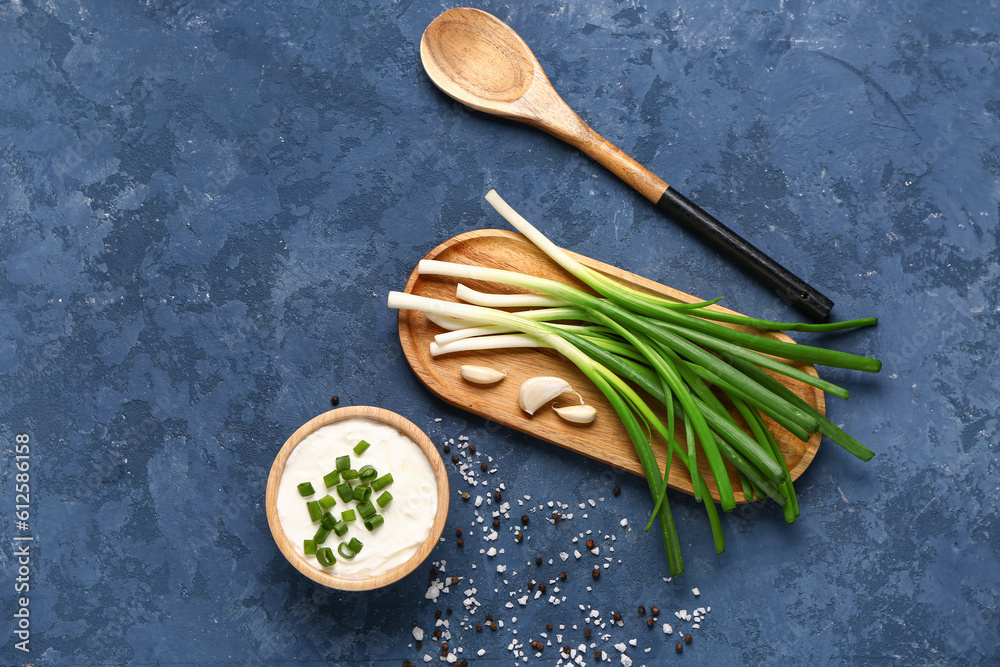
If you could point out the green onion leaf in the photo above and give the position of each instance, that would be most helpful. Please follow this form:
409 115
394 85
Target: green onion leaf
343 463
374 522
348 515
382 482
309 547
325 557
361 447
355 544
345 491
349 474
321 535
328 521
327 501
345 552
362 492
331 479
314 510
367 474
384 499
366 509
306 489
340 528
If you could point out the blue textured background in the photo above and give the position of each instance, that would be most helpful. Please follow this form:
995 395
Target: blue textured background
204 205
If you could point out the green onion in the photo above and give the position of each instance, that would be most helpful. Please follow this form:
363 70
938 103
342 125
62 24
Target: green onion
367 473
328 521
340 528
382 482
362 492
677 352
348 515
305 489
321 535
314 510
374 522
327 501
361 447
343 463
325 557
309 547
366 509
345 491
355 544
344 549
349 474
331 479
384 499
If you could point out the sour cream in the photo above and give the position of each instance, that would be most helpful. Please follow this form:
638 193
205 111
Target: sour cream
408 518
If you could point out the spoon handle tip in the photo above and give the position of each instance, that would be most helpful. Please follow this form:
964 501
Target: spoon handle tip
792 289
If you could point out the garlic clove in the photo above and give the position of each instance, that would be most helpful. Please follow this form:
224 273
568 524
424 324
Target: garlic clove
537 391
578 414
482 374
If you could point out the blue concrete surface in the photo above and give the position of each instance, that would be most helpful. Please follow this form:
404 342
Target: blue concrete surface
204 205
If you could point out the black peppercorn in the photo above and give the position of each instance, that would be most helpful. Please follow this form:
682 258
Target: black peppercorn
334 401
650 621
447 448
531 585
454 580
483 466
496 523
598 656
642 610
538 560
525 519
458 531
616 490
519 537
437 613
548 626
479 627
543 588
596 574
562 576
434 573
460 542
493 625
679 647
590 544
617 617
586 633
454 458
472 448
655 611
497 496
687 639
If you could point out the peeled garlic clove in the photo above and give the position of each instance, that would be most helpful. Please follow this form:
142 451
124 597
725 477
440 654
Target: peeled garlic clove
482 374
578 414
537 391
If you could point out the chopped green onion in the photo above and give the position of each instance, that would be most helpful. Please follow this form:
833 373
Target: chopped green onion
306 489
328 521
348 515
367 473
314 510
325 557
331 479
384 499
374 522
327 501
382 482
361 447
349 474
355 544
362 492
309 547
345 491
343 463
345 552
321 535
366 509
340 528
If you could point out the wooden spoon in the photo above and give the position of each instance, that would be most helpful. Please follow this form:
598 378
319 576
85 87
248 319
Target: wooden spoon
477 59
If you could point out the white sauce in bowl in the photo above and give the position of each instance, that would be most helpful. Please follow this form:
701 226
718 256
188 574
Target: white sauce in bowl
408 518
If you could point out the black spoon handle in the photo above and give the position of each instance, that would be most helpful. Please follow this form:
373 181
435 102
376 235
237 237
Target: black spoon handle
789 287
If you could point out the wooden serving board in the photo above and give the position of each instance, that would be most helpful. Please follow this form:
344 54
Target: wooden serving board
605 439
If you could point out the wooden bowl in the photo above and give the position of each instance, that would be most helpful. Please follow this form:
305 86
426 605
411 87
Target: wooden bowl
291 551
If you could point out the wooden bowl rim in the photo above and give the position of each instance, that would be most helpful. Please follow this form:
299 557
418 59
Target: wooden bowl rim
407 428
